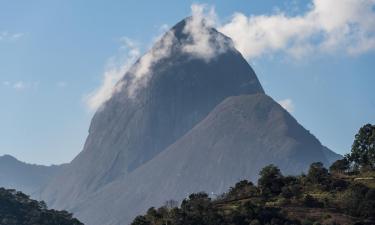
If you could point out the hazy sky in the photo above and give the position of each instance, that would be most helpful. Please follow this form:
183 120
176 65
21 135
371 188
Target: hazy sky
315 57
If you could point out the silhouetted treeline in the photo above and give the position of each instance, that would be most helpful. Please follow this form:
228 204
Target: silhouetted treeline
17 208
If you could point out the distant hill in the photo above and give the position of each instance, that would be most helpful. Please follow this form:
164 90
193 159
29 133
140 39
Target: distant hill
17 208
28 178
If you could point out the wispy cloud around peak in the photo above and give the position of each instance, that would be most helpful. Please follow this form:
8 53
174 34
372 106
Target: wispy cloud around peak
142 70
116 68
200 44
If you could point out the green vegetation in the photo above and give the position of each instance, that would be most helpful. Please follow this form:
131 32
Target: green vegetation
344 194
17 208
362 156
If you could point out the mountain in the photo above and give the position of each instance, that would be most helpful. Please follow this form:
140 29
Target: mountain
28 178
128 131
184 118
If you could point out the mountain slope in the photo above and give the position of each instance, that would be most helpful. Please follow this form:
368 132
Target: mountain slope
331 156
238 138
24 177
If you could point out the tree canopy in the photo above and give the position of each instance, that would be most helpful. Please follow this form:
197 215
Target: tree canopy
362 155
17 208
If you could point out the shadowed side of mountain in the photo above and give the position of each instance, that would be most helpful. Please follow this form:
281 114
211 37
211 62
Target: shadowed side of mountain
238 138
28 178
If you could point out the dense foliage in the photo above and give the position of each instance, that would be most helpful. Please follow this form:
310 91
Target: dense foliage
362 155
344 194
316 198
17 208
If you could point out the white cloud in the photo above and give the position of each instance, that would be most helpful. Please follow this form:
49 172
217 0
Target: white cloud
287 104
201 43
7 36
116 68
142 70
328 26
137 74
21 85
61 84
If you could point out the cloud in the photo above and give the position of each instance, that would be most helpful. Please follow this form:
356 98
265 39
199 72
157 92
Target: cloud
116 68
7 36
61 84
141 72
202 43
328 26
129 69
21 85
287 104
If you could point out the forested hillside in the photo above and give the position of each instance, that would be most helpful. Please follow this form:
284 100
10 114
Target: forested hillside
344 194
17 208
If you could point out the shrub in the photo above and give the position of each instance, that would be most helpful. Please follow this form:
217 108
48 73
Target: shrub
271 181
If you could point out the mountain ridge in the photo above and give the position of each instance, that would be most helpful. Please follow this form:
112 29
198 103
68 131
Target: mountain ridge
25 177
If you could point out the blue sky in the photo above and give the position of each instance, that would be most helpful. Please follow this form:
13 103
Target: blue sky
54 53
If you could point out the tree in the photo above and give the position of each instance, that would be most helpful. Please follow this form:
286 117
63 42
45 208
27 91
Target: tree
140 220
170 204
16 208
198 209
318 174
340 166
270 181
362 154
243 188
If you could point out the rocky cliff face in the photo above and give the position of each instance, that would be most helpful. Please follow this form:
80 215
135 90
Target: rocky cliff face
173 127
